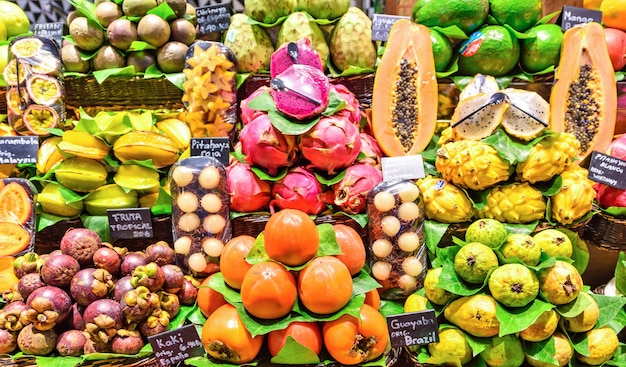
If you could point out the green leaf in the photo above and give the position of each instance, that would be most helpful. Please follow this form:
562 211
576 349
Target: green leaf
45 220
390 307
620 273
544 351
610 307
197 317
266 176
181 317
328 241
434 232
153 72
163 204
102 75
257 253
515 319
295 353
87 8
267 25
452 31
445 255
241 78
218 284
262 102
551 187
140 46
615 211
98 224
164 11
288 127
450 281
573 308
329 181
335 104
580 253
363 283
513 151
517 34
521 228
177 79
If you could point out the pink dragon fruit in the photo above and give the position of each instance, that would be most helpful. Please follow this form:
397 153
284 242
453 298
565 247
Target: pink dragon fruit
299 189
289 53
332 144
265 146
370 151
352 110
248 193
301 91
246 113
350 194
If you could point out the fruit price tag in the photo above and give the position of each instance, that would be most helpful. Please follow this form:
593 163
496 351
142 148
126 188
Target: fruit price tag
130 223
213 18
172 347
381 25
415 328
217 148
409 167
572 16
607 170
53 30
18 149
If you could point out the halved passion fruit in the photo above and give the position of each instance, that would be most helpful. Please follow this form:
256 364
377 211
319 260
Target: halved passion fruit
46 65
17 100
15 204
26 47
44 89
15 73
38 118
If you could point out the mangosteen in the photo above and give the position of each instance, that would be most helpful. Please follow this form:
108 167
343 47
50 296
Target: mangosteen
138 303
132 260
81 244
150 276
188 293
169 303
10 316
155 324
8 341
161 253
108 259
25 264
71 343
173 278
76 318
103 318
122 286
36 342
91 284
59 270
48 306
127 342
28 283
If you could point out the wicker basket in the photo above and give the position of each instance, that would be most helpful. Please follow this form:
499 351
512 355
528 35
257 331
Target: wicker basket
150 361
606 231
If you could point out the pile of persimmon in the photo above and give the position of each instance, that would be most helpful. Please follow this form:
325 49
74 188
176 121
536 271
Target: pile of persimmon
293 273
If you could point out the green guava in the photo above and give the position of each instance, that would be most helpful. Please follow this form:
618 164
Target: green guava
523 247
564 353
452 347
504 351
474 261
513 285
602 342
434 292
542 328
554 243
585 320
560 283
489 232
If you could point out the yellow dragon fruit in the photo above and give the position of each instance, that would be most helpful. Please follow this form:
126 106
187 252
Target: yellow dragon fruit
548 158
471 164
443 201
575 198
515 203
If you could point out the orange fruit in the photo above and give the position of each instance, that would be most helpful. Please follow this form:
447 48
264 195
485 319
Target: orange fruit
614 13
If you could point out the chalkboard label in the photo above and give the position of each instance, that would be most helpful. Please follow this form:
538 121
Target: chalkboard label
18 149
409 167
217 148
415 328
572 16
213 18
381 25
172 347
607 170
130 223
53 30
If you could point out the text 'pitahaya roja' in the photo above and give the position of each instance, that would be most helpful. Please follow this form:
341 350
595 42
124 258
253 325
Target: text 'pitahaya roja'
247 113
248 193
265 146
306 92
332 144
608 196
299 189
352 110
370 151
300 52
350 194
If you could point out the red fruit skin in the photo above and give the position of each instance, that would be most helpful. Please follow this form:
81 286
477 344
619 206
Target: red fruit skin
299 189
248 193
616 43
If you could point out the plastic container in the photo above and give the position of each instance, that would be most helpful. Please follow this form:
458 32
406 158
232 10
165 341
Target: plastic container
397 252
200 213
17 216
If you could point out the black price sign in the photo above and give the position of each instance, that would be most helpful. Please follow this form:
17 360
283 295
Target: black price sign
217 148
607 170
572 16
172 347
213 18
130 223
381 25
18 149
415 328
408 167
52 30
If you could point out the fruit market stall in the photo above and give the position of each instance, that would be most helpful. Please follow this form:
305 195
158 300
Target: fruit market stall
302 184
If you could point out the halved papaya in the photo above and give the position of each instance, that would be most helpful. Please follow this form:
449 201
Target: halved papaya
404 99
583 100
13 238
15 204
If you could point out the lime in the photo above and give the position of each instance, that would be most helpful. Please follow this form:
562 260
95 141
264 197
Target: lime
14 18
442 49
491 50
468 15
543 50
520 15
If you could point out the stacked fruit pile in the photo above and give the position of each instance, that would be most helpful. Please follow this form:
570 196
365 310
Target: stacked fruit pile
341 35
516 297
88 297
299 136
295 284
113 160
140 33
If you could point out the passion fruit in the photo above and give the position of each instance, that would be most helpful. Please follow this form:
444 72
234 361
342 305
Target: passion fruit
14 73
37 119
43 89
17 100
26 47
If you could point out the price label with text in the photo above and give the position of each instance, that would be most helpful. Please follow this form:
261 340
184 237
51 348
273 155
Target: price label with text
213 18
408 167
18 149
173 347
572 16
607 170
217 148
414 328
381 25
130 223
53 30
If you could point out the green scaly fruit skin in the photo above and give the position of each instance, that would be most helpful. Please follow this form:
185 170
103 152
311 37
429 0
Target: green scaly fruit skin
554 243
523 247
476 315
250 43
269 12
468 15
297 26
474 261
489 232
504 351
452 344
324 9
513 285
351 41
